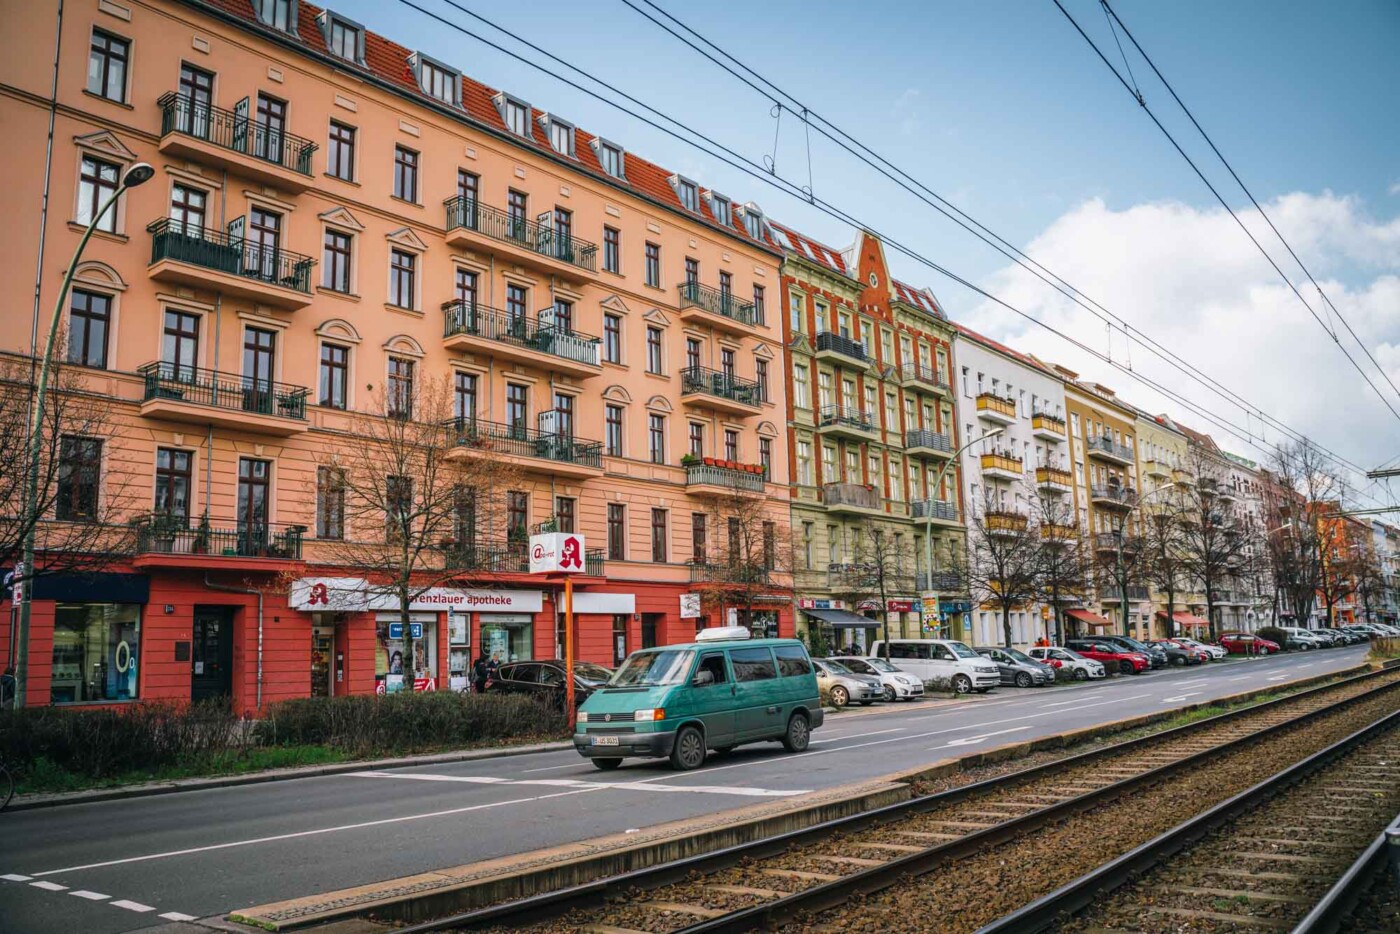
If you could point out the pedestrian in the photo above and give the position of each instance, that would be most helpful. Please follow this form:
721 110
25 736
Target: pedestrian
480 673
493 667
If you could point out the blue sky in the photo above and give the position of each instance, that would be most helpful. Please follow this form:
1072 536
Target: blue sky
1002 108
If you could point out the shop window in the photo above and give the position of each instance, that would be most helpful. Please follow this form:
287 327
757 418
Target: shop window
392 667
96 647
508 637
619 638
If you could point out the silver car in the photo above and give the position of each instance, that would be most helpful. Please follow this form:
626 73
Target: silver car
842 685
1018 668
897 683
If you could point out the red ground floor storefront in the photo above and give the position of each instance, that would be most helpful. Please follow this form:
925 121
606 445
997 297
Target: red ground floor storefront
178 634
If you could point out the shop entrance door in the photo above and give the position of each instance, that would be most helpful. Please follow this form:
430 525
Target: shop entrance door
211 655
322 649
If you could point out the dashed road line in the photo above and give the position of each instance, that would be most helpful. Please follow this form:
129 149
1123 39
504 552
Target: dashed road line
49 886
131 906
96 897
90 896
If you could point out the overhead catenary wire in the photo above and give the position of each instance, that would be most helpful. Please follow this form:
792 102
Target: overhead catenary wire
760 172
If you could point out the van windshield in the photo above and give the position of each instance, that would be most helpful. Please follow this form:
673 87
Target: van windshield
962 651
653 668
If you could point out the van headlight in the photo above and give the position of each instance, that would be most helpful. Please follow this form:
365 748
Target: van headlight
649 715
583 716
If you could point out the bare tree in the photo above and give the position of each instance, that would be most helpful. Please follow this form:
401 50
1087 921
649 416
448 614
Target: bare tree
1369 580
882 566
1162 545
1213 537
1298 493
1003 560
1064 565
410 492
747 551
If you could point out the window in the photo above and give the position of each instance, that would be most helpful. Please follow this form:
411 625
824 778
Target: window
760 367
107 66
197 96
563 231
611 158
564 410
726 363
612 338
402 269
759 315
344 39
264 243
330 503
275 13
340 152
792 661
656 438
754 664
723 213
654 350
726 288
398 508
731 444
653 265
612 250
179 349
517 516
795 312
765 457
96 648
517 300
697 537
563 316
617 532
270 128
658 536
516 115
801 388
89 320
187 210
689 194
173 486
692 271
96 184
807 545
405 174
613 419
804 463
696 437
335 262
713 664
400 396
335 376
79 473
753 222
437 81
518 210
561 136
564 513
517 406
464 398
692 352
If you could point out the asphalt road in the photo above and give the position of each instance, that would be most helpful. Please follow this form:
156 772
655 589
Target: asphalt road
136 864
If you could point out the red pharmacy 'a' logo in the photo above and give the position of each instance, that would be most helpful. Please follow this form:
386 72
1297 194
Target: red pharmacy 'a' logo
319 594
571 555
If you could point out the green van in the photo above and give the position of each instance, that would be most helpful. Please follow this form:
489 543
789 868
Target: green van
718 692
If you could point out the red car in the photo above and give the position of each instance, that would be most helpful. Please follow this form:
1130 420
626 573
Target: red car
1247 643
1111 656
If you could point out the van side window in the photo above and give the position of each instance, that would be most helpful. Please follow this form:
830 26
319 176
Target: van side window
752 664
902 650
714 664
792 661
943 653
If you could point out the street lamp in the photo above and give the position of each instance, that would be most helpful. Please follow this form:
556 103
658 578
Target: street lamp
138 174
928 512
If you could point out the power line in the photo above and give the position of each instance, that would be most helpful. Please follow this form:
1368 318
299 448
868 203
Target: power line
736 160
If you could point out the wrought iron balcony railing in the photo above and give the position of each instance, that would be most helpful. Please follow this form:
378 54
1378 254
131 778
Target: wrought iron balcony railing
462 317
851 494
519 441
495 224
222 390
927 438
741 480
1107 446
735 574
836 343
1117 495
934 509
922 373
179 113
938 580
720 384
833 416
237 256
166 534
717 301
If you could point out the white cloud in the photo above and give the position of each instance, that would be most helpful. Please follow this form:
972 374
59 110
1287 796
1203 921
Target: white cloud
1192 280
1395 188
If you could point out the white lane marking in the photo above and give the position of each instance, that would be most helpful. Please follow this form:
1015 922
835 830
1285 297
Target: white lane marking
131 906
90 896
1179 697
552 768
713 789
15 877
587 784
897 729
1241 678
178 916
312 833
973 740
1062 703
49 886
1278 677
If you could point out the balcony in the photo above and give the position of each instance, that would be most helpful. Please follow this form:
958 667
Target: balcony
1056 533
534 451
208 397
840 349
1113 497
1111 594
1182 477
994 408
715 389
1107 543
1004 522
1106 448
1157 468
929 443
921 375
177 541
1053 480
471 225
206 259
713 480
854 498
936 509
1048 427
844 422
233 141
492 332
735 575
1002 466
716 308
495 558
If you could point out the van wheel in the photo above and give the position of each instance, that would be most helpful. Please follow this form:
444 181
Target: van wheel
798 734
689 751
1023 680
962 684
606 765
840 697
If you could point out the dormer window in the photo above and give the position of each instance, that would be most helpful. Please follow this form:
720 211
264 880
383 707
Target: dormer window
687 191
437 80
560 133
344 38
753 220
279 14
723 212
611 158
515 113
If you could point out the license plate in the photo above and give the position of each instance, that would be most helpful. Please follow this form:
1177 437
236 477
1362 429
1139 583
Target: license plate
603 740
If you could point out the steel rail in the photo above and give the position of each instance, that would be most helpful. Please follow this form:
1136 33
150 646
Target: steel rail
1333 911
593 894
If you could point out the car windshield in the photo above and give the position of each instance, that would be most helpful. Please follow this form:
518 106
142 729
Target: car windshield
962 651
879 664
1070 653
1132 644
1018 655
653 668
835 667
591 672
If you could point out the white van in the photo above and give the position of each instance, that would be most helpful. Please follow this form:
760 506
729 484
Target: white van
942 659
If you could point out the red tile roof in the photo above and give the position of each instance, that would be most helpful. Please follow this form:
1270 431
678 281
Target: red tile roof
793 241
389 61
919 298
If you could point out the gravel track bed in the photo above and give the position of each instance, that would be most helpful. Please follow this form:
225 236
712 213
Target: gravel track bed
955 898
1378 911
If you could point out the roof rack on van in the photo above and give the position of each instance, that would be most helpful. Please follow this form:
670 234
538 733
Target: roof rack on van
722 634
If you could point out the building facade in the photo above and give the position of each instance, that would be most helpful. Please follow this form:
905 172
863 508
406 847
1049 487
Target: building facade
335 222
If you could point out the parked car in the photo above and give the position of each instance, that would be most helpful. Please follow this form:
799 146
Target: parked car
841 685
1214 651
1156 656
1247 643
898 684
545 680
942 659
1178 654
1297 637
1366 631
1017 668
1329 637
1069 663
1111 655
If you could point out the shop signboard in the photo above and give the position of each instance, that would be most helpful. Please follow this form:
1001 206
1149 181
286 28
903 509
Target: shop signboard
900 605
690 606
930 610
809 603
556 553
355 595
396 630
